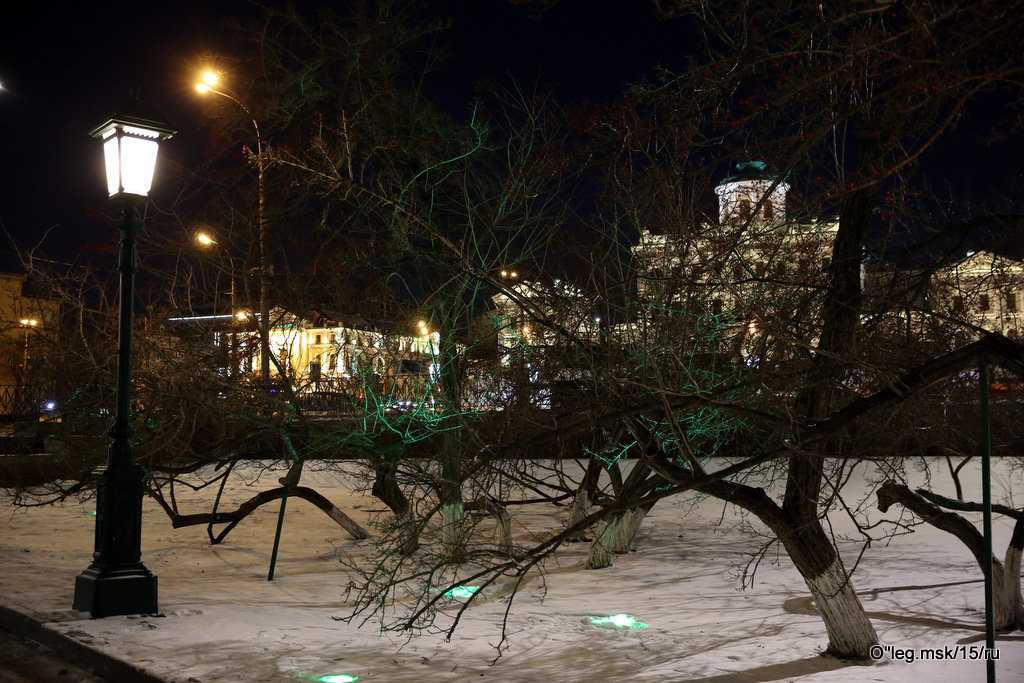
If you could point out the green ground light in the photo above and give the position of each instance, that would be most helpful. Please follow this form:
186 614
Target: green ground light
338 678
617 621
461 592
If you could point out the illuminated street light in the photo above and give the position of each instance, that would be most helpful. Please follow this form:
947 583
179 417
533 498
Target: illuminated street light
26 323
210 79
206 240
117 582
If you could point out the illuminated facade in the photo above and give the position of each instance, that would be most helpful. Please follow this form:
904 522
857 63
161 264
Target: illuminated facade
325 353
27 324
983 291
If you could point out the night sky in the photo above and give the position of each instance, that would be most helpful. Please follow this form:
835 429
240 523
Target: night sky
67 65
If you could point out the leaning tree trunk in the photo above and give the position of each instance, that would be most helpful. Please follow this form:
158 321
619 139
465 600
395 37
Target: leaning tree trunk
387 490
850 633
582 502
1007 603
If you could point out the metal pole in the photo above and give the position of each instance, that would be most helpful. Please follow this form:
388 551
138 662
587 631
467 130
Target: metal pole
986 493
117 582
264 326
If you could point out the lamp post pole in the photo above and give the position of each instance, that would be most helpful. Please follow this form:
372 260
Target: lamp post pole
117 582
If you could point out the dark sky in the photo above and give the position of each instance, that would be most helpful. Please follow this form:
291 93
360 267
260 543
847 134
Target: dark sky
66 66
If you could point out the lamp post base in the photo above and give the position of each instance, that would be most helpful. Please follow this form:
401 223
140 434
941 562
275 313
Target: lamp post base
108 592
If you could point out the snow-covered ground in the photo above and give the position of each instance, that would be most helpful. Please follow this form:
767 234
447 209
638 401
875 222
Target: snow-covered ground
221 620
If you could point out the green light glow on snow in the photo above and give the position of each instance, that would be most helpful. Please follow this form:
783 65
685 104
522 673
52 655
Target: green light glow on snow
618 621
460 592
338 678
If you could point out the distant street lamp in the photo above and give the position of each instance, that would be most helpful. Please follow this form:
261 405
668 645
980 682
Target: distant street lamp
26 324
236 316
263 320
117 582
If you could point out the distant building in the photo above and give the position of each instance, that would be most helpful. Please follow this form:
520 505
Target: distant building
323 353
27 326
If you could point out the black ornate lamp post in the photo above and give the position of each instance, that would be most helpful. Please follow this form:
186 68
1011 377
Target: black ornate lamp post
117 582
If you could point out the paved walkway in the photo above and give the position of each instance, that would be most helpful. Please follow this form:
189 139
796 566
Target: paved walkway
32 653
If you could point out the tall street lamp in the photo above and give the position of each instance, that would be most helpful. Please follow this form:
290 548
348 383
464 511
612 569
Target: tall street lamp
117 582
263 320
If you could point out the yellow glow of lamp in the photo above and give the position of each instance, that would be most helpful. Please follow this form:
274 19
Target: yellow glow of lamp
131 139
209 80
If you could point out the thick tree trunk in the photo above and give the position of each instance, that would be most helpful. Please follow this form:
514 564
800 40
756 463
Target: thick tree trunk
453 527
629 528
1007 603
600 555
1011 574
582 502
616 535
387 490
850 633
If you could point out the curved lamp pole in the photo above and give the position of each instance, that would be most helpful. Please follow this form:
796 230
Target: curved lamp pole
117 582
263 321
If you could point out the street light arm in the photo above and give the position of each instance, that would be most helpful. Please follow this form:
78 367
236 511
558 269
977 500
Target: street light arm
263 326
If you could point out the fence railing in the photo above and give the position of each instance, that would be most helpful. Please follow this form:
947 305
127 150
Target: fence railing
20 402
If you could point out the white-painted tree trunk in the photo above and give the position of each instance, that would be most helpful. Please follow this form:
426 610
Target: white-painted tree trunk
850 633
452 527
601 549
622 541
578 511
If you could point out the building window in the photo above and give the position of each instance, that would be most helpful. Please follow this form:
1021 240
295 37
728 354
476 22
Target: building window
716 307
318 339
983 303
769 210
958 304
1011 301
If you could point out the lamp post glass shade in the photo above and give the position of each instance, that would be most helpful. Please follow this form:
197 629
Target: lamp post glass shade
130 142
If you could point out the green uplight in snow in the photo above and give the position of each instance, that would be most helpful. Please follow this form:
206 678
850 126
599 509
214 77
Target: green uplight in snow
338 678
460 592
618 621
